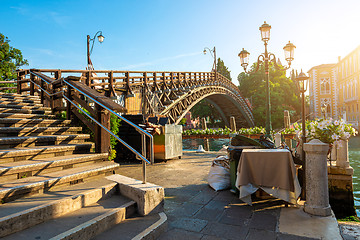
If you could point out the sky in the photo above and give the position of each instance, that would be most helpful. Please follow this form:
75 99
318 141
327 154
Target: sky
159 35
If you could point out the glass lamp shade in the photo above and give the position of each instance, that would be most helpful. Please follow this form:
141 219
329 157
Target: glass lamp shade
303 81
265 31
244 57
101 38
289 51
204 51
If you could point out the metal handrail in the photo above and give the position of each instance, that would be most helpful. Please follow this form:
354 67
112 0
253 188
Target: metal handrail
138 129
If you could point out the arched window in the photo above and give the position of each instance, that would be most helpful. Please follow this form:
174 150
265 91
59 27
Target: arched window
325 86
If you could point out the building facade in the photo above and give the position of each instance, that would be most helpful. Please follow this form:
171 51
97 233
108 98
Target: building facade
337 86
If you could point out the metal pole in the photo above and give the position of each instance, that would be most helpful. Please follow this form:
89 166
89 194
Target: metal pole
268 127
88 50
215 65
143 141
303 138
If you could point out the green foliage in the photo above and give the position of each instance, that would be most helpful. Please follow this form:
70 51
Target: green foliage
204 109
182 122
222 69
284 95
224 131
114 127
350 219
10 60
288 131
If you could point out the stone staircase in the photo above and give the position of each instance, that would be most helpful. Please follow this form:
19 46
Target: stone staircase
52 184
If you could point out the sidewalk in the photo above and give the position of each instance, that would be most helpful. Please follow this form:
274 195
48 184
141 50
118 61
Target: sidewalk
195 211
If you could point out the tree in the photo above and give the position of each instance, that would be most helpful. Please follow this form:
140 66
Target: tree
10 59
222 69
284 95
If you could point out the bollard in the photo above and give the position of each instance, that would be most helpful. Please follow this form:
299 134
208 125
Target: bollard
232 124
317 191
277 140
203 124
342 154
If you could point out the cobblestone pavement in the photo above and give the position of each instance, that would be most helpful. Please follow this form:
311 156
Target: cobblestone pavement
195 211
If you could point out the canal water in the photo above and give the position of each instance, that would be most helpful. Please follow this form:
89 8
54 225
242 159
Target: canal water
354 158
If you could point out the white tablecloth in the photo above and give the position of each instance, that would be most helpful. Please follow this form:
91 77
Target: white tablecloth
272 170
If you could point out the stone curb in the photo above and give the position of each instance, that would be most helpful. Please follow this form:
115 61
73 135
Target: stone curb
155 230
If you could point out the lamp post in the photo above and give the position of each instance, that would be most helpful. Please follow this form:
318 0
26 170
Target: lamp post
213 54
265 58
302 80
89 50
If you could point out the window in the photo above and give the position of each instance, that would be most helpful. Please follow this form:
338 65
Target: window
325 86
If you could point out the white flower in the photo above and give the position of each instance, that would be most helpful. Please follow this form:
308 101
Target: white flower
335 137
337 122
347 135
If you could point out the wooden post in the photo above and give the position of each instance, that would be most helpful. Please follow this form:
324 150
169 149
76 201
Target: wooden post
287 125
42 85
111 84
232 124
68 104
102 137
32 85
56 103
203 123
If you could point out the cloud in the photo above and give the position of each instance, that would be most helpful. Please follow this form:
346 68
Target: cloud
139 65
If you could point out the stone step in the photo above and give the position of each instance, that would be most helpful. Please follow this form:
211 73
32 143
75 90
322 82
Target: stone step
25 116
137 227
30 211
35 153
84 223
37 131
25 107
30 141
13 122
26 111
16 170
21 103
27 186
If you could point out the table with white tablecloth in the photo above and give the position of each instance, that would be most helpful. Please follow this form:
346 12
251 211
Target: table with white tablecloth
271 170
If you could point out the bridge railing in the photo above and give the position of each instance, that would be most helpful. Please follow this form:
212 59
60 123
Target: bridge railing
88 105
112 82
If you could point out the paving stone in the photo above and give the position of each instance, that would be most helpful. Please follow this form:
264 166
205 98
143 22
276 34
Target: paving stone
209 214
225 231
214 204
263 221
226 196
188 209
203 198
236 215
179 234
191 224
209 237
257 234
282 236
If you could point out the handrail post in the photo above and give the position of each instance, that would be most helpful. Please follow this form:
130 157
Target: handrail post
32 85
102 137
42 85
143 147
68 104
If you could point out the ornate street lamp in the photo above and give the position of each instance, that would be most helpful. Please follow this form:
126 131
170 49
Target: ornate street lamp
265 58
89 50
213 54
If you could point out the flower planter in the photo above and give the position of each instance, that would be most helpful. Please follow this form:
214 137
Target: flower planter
289 136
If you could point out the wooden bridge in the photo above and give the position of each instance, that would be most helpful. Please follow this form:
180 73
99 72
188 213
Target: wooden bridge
170 94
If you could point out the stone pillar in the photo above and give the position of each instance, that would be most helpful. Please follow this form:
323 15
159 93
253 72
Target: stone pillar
232 124
342 155
278 140
317 191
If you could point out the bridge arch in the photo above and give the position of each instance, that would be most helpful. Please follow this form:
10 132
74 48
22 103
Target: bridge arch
224 100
